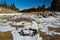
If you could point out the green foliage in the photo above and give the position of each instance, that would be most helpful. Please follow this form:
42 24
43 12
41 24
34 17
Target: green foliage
43 8
29 10
12 6
55 5
5 5
38 9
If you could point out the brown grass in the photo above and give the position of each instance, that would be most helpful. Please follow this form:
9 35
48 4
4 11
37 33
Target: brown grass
24 19
54 37
42 34
48 37
54 29
6 36
17 26
6 17
38 22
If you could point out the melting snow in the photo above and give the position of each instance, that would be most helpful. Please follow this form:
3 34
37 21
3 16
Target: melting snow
43 26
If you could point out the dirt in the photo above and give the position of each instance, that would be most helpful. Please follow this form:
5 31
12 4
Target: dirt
54 29
6 36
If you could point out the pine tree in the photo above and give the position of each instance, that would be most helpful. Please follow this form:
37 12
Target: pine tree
13 7
38 8
58 5
43 8
1 4
5 5
55 5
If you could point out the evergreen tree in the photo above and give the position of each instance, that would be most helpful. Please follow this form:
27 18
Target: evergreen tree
48 9
43 8
13 7
55 5
5 5
1 4
38 8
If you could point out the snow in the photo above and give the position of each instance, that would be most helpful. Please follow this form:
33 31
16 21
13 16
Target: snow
17 36
39 38
10 14
53 33
57 12
21 23
6 28
32 25
47 19
26 31
18 23
43 25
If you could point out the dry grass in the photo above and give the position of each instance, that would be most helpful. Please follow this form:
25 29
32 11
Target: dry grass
6 17
38 22
6 36
42 34
48 37
24 19
54 29
54 37
17 26
7 11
